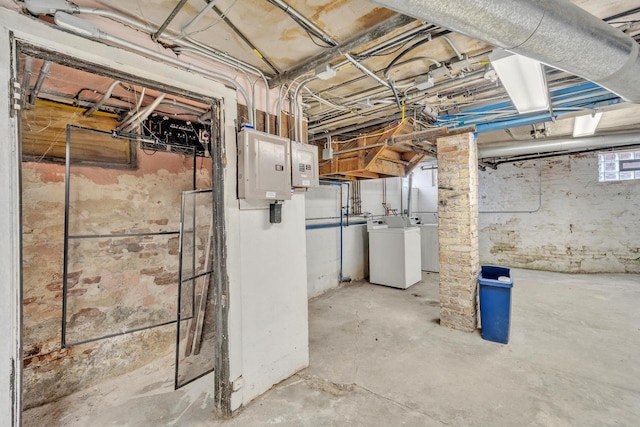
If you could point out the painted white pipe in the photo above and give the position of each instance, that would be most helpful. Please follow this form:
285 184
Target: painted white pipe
104 98
87 29
511 149
139 116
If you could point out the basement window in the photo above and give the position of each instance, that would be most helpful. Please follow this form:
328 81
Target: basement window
619 166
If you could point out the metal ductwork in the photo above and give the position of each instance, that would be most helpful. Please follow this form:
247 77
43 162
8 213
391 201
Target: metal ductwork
508 149
554 32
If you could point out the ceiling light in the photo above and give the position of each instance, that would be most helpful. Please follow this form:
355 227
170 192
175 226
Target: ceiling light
523 79
586 125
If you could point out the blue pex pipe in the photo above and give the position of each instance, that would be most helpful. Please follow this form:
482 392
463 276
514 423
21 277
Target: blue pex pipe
332 225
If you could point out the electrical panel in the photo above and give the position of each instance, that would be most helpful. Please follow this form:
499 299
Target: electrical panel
180 135
264 166
304 165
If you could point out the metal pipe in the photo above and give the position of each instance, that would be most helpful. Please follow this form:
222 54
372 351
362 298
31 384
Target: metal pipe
341 224
189 42
206 51
104 98
86 28
25 84
556 33
366 71
44 72
155 36
325 102
198 17
279 108
308 25
331 225
298 110
508 149
409 194
453 46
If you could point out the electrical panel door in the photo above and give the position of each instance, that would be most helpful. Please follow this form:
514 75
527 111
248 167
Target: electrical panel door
264 166
304 165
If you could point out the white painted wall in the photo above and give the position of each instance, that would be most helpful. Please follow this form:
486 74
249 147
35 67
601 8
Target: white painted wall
553 214
425 182
10 301
275 341
581 225
323 245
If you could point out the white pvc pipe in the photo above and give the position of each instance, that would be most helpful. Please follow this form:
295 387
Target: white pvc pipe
509 149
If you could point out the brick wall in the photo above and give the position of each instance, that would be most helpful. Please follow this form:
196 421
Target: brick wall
114 282
458 231
568 222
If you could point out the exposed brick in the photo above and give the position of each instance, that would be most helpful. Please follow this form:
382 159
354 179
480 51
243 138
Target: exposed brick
458 231
166 279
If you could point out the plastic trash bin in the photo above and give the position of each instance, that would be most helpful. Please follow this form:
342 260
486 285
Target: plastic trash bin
495 302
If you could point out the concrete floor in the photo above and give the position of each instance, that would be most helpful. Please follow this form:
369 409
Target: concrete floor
379 357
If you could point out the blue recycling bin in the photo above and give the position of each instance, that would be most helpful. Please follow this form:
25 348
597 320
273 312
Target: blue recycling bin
495 302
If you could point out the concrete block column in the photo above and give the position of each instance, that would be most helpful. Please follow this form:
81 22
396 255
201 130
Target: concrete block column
458 231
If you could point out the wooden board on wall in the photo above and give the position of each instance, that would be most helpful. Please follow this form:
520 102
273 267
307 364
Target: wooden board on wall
44 134
287 120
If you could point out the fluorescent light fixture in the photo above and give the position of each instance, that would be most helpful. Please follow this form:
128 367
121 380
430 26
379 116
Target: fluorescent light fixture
586 125
524 80
76 25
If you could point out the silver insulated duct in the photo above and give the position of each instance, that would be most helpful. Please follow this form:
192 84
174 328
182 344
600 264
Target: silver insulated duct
554 32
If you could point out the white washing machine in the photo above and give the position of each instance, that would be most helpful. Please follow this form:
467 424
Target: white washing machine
429 243
394 257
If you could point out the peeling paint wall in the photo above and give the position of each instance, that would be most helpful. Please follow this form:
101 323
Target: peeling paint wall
575 224
115 283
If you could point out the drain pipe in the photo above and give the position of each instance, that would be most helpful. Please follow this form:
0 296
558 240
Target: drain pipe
87 29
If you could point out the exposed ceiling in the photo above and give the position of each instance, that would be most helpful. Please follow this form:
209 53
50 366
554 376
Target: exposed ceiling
379 58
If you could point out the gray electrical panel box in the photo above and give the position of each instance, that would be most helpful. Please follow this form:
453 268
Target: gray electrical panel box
304 165
264 168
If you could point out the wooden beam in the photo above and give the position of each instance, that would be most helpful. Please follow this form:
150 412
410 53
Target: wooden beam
431 134
335 52
363 174
387 167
